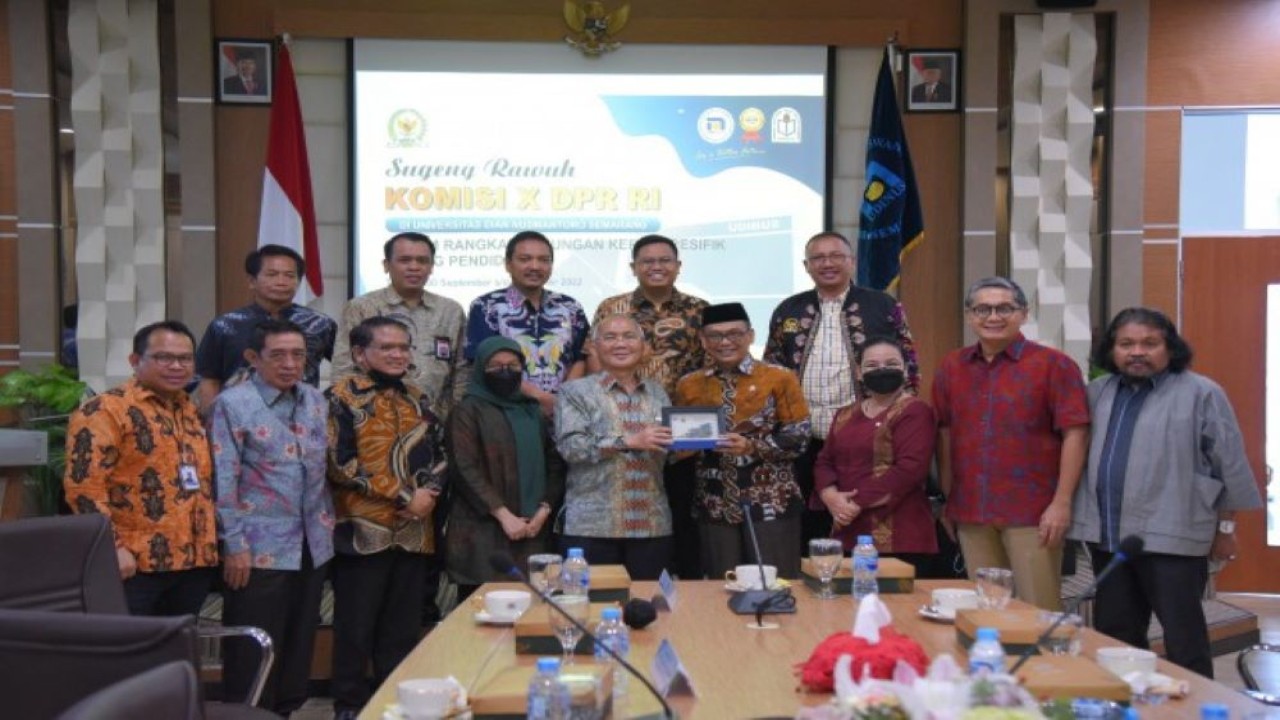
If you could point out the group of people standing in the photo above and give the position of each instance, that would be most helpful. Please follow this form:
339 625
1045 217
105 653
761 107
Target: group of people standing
518 426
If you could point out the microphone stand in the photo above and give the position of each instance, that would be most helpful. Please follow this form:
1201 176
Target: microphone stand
512 571
764 600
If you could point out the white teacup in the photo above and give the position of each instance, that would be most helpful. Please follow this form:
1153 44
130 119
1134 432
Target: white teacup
748 576
946 601
507 603
1125 660
428 698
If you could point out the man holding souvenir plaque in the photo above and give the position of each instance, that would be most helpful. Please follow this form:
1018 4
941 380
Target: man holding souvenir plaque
753 462
615 506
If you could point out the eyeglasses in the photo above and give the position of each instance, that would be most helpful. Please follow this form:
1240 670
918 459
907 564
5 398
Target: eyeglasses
512 366
171 359
405 348
833 258
656 262
1004 310
733 336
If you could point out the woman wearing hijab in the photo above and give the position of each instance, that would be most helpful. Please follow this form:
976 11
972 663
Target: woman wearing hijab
507 478
871 473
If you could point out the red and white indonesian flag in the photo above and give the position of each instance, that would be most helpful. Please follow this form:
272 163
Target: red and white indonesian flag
288 213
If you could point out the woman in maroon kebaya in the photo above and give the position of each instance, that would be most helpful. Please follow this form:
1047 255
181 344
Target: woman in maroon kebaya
871 473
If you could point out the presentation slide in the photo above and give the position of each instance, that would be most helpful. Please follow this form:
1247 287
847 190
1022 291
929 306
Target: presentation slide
722 149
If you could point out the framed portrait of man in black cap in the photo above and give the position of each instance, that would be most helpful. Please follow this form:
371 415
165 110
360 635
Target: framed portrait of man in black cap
932 78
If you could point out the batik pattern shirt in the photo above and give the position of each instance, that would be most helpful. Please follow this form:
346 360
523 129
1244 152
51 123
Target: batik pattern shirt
269 450
611 493
764 403
436 326
384 443
1005 419
221 353
125 453
670 331
551 336
864 314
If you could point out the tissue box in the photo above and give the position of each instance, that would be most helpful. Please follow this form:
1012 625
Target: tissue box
507 694
1019 629
893 577
1050 677
535 637
610 584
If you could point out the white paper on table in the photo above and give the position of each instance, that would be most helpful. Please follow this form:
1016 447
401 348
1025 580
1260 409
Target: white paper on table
872 615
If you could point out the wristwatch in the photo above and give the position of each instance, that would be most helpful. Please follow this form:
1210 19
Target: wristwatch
1226 527
620 444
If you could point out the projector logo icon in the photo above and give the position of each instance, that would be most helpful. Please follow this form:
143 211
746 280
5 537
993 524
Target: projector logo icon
407 128
715 125
785 126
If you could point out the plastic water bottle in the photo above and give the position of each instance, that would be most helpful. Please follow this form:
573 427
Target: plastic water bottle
986 654
866 563
612 632
1214 711
549 698
575 574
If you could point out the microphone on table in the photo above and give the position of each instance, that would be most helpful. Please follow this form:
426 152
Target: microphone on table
1130 547
760 602
638 613
502 564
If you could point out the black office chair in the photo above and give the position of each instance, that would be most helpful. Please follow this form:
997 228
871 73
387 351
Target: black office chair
53 660
1260 661
68 564
65 563
169 691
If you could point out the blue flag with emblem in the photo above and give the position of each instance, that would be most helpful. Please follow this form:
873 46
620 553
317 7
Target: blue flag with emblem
891 223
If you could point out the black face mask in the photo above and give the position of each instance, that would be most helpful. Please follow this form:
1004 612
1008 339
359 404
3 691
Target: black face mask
504 382
883 381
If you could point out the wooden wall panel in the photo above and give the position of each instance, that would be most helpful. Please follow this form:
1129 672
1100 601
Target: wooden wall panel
1224 319
1160 278
1213 53
1164 145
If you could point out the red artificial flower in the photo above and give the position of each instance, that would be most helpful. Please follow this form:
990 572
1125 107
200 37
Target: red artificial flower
816 672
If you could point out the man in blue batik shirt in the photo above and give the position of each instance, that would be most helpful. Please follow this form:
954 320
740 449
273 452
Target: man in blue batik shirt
550 327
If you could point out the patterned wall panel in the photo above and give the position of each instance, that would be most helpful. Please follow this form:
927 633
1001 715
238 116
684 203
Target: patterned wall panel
1051 186
115 112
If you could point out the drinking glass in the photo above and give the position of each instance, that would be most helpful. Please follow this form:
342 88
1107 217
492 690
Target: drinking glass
577 606
544 572
825 554
995 587
1065 638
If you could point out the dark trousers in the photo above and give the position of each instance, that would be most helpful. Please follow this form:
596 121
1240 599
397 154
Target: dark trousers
377 616
679 479
1171 586
727 546
178 592
813 523
286 604
644 558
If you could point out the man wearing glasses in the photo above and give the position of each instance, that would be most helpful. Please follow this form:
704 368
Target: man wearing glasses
767 423
138 455
819 334
1014 430
387 470
670 321
435 322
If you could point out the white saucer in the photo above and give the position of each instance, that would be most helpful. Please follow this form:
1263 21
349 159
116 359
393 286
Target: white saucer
395 712
485 618
929 612
735 587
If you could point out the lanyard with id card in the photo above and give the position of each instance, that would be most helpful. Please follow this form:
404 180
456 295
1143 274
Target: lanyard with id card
188 477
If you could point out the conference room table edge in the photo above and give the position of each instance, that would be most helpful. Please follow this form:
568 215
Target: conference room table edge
738 670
